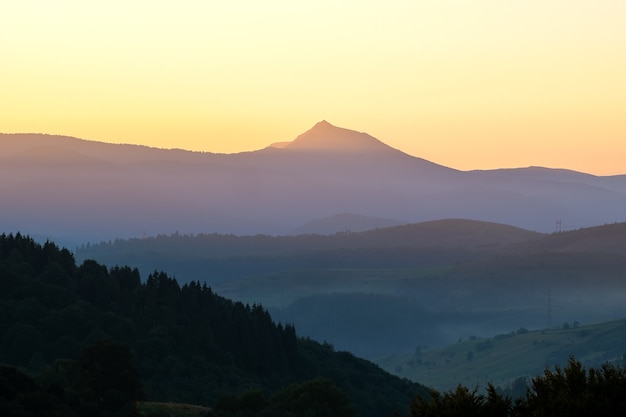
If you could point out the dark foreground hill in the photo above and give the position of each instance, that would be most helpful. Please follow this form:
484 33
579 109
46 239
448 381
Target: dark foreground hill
189 344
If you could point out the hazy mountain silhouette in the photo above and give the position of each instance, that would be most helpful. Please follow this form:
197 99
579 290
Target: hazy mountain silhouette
76 190
344 222
608 238
229 257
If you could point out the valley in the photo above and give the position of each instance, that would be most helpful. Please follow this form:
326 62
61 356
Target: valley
389 290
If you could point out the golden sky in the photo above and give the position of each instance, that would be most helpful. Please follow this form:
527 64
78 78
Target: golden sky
471 84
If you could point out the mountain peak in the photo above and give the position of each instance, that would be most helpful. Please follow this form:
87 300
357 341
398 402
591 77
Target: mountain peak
322 125
325 137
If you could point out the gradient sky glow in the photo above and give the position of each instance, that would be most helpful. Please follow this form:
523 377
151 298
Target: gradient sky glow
471 84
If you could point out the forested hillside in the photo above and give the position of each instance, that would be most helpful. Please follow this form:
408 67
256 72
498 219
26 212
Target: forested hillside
188 343
218 258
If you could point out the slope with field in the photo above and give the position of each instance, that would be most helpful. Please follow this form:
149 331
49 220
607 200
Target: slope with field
508 356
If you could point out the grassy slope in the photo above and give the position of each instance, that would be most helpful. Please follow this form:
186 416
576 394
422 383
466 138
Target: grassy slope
505 357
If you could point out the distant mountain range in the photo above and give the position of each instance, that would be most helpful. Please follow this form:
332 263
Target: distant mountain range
75 190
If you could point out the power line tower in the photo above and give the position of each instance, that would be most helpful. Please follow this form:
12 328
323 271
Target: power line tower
559 225
549 309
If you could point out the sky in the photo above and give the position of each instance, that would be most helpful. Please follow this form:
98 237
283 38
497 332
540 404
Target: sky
476 84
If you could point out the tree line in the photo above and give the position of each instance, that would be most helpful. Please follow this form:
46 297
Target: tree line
562 392
187 343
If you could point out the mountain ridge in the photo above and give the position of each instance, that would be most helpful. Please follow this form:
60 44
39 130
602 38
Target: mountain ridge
133 190
24 140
